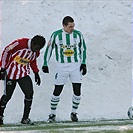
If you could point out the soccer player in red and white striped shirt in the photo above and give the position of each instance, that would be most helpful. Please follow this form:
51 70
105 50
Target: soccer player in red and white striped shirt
17 58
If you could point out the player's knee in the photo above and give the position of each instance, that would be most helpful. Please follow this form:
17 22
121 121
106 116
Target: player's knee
77 89
5 98
77 92
29 95
58 90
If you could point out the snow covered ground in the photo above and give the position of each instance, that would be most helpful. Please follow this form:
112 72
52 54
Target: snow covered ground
107 29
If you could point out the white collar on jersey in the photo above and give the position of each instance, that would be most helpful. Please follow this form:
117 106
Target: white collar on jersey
29 44
65 31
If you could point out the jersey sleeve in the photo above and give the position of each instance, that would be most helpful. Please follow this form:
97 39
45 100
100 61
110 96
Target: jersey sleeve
34 67
6 54
33 64
83 50
49 49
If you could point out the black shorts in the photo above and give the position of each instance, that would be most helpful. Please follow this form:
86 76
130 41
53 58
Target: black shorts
25 84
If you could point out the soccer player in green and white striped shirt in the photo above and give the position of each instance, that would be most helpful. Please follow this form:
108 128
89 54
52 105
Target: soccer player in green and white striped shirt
70 52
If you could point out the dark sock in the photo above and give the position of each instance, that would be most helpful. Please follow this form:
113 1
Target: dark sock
27 107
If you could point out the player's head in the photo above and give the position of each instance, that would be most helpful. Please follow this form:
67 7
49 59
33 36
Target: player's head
68 24
37 43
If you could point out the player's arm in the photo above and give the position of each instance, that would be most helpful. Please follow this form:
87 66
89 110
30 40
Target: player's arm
6 56
34 66
35 69
83 50
83 68
48 53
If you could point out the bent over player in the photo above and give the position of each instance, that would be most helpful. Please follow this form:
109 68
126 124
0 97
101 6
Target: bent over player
70 52
17 58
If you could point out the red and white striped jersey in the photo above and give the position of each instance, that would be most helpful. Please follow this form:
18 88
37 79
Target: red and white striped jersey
17 58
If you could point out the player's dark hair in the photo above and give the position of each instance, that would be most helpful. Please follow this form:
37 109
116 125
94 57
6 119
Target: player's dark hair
67 19
38 40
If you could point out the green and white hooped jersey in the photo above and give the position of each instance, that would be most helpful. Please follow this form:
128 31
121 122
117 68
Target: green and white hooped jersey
68 47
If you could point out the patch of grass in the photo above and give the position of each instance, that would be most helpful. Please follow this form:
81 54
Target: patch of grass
104 126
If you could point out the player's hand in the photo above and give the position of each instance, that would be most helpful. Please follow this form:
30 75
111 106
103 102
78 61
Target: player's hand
2 74
37 78
83 69
45 69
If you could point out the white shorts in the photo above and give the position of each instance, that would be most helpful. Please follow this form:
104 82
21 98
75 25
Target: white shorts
65 70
